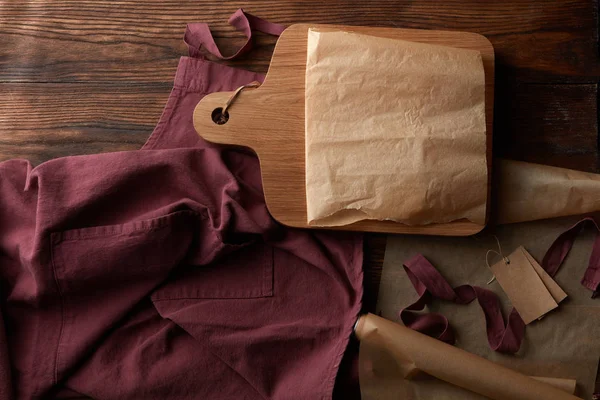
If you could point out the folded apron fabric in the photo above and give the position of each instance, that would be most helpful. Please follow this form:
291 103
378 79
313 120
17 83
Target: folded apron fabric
159 273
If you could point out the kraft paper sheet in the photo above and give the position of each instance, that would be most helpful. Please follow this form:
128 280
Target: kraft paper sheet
564 344
395 130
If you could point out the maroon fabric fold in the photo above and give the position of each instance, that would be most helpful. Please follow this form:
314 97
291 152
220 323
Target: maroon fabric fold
429 283
142 268
558 251
198 35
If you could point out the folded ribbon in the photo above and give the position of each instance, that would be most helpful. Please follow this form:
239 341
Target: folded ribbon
429 283
562 245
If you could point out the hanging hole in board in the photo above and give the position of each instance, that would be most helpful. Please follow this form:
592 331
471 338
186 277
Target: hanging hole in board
219 117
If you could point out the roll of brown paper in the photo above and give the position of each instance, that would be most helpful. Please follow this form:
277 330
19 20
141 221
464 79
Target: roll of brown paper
528 192
416 352
566 385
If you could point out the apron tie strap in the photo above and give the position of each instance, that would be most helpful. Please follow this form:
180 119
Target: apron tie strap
198 35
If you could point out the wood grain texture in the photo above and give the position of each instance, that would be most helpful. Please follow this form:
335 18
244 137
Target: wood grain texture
270 120
131 45
40 121
535 40
548 124
374 248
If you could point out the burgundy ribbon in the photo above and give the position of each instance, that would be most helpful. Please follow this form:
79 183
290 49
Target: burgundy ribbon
429 283
506 338
558 251
198 35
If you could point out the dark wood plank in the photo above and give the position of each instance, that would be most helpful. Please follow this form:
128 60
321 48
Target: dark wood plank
44 121
548 124
62 41
374 252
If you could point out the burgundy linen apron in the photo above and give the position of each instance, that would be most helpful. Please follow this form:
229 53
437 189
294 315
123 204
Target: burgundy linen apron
159 273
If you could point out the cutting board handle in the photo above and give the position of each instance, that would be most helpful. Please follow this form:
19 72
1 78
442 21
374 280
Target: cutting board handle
247 116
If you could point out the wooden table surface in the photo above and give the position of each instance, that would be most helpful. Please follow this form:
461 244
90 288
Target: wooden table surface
82 77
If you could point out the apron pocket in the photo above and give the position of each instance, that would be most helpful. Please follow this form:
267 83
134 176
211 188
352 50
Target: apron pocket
246 273
102 272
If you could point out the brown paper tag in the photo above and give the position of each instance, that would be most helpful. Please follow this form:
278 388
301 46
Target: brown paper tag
556 291
531 290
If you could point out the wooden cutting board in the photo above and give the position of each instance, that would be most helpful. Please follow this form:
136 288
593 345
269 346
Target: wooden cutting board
270 120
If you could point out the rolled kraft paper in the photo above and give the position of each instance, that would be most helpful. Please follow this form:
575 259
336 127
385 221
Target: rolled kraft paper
566 385
415 351
529 192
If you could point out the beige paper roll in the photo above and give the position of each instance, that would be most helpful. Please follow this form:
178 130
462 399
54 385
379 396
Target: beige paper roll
566 385
528 192
415 351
